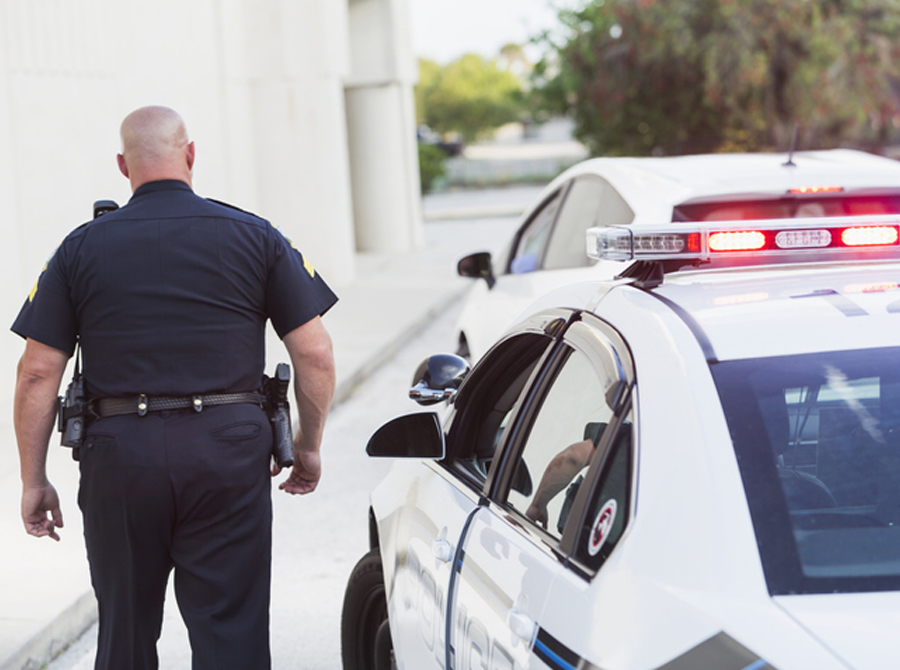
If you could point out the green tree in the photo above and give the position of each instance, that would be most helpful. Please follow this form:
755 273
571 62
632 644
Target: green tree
470 96
682 76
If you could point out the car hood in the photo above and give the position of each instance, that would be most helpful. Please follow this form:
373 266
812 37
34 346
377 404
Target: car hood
860 628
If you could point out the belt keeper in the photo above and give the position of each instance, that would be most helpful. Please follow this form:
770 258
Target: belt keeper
143 405
197 403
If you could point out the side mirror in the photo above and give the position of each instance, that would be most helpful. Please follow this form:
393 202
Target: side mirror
437 378
477 266
411 436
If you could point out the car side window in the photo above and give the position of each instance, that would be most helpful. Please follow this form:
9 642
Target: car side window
609 507
560 444
591 201
485 403
531 238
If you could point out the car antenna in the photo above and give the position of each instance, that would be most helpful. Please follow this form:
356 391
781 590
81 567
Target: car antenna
790 160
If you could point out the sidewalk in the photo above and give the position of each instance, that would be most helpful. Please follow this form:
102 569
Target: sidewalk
45 595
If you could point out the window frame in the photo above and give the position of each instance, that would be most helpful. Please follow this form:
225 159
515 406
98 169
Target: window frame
585 333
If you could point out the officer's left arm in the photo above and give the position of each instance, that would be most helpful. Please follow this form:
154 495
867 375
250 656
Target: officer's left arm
312 358
40 372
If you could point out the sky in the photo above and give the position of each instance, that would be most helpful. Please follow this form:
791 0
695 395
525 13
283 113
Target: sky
445 29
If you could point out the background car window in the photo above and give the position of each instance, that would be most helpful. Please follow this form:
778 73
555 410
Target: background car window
485 404
560 444
591 201
530 242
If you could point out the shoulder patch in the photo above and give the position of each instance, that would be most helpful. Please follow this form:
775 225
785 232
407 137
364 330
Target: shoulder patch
309 267
34 289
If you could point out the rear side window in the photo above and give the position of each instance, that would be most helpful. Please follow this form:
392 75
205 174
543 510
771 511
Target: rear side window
608 510
591 201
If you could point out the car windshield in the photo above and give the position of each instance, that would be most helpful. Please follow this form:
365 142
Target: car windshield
787 208
817 438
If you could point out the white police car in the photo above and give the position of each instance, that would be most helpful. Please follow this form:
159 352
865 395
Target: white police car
682 468
547 249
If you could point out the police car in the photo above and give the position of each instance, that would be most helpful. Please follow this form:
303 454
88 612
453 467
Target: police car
547 249
695 465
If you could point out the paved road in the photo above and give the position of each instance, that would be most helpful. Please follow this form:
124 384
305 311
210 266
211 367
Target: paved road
318 538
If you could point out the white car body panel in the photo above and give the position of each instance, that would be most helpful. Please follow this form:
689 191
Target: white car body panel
859 627
501 577
430 511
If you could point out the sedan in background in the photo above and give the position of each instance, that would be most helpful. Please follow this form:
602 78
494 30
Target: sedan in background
548 248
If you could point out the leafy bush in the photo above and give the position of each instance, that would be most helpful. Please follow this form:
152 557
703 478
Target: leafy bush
432 165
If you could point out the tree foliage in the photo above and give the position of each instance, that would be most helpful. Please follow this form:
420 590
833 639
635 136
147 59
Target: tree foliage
686 76
469 96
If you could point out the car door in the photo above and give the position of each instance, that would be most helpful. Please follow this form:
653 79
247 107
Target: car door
517 544
443 496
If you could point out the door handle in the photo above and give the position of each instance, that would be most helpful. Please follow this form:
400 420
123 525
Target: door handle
441 548
522 626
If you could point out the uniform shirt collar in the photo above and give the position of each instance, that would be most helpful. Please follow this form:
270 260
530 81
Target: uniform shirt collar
161 185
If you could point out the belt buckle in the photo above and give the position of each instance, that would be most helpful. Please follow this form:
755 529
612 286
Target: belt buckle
143 405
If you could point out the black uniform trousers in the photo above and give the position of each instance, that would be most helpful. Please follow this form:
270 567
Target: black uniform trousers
189 491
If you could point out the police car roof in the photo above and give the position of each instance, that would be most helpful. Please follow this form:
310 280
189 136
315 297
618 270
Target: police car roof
782 310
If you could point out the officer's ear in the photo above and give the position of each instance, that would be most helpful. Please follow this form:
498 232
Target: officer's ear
190 155
123 167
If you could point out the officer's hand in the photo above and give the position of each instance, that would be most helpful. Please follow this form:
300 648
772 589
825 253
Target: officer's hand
304 475
36 503
537 513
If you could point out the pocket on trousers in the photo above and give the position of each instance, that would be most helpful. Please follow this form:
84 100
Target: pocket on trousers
99 441
238 432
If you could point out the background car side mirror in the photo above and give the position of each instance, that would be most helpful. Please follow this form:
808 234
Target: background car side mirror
411 436
477 266
437 378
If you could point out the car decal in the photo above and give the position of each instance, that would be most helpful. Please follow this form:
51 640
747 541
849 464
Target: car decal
603 524
555 654
720 652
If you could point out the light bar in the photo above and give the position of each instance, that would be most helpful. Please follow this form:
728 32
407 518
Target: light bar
701 241
744 240
815 190
869 236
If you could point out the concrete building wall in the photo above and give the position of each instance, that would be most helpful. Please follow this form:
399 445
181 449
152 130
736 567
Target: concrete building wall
381 127
261 85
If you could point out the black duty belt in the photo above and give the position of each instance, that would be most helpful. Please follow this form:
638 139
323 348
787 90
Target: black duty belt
141 404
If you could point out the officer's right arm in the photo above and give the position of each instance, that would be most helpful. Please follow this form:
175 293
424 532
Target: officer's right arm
37 385
312 358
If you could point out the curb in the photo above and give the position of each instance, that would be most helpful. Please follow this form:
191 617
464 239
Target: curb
56 636
348 386
457 213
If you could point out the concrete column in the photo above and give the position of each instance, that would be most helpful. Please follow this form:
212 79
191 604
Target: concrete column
381 127
294 74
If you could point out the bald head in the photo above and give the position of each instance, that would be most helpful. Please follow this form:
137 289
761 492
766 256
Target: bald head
155 146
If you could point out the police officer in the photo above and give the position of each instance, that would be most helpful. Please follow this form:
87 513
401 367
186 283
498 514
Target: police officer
168 299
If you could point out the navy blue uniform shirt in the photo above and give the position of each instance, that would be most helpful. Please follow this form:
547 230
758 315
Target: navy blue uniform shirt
170 294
